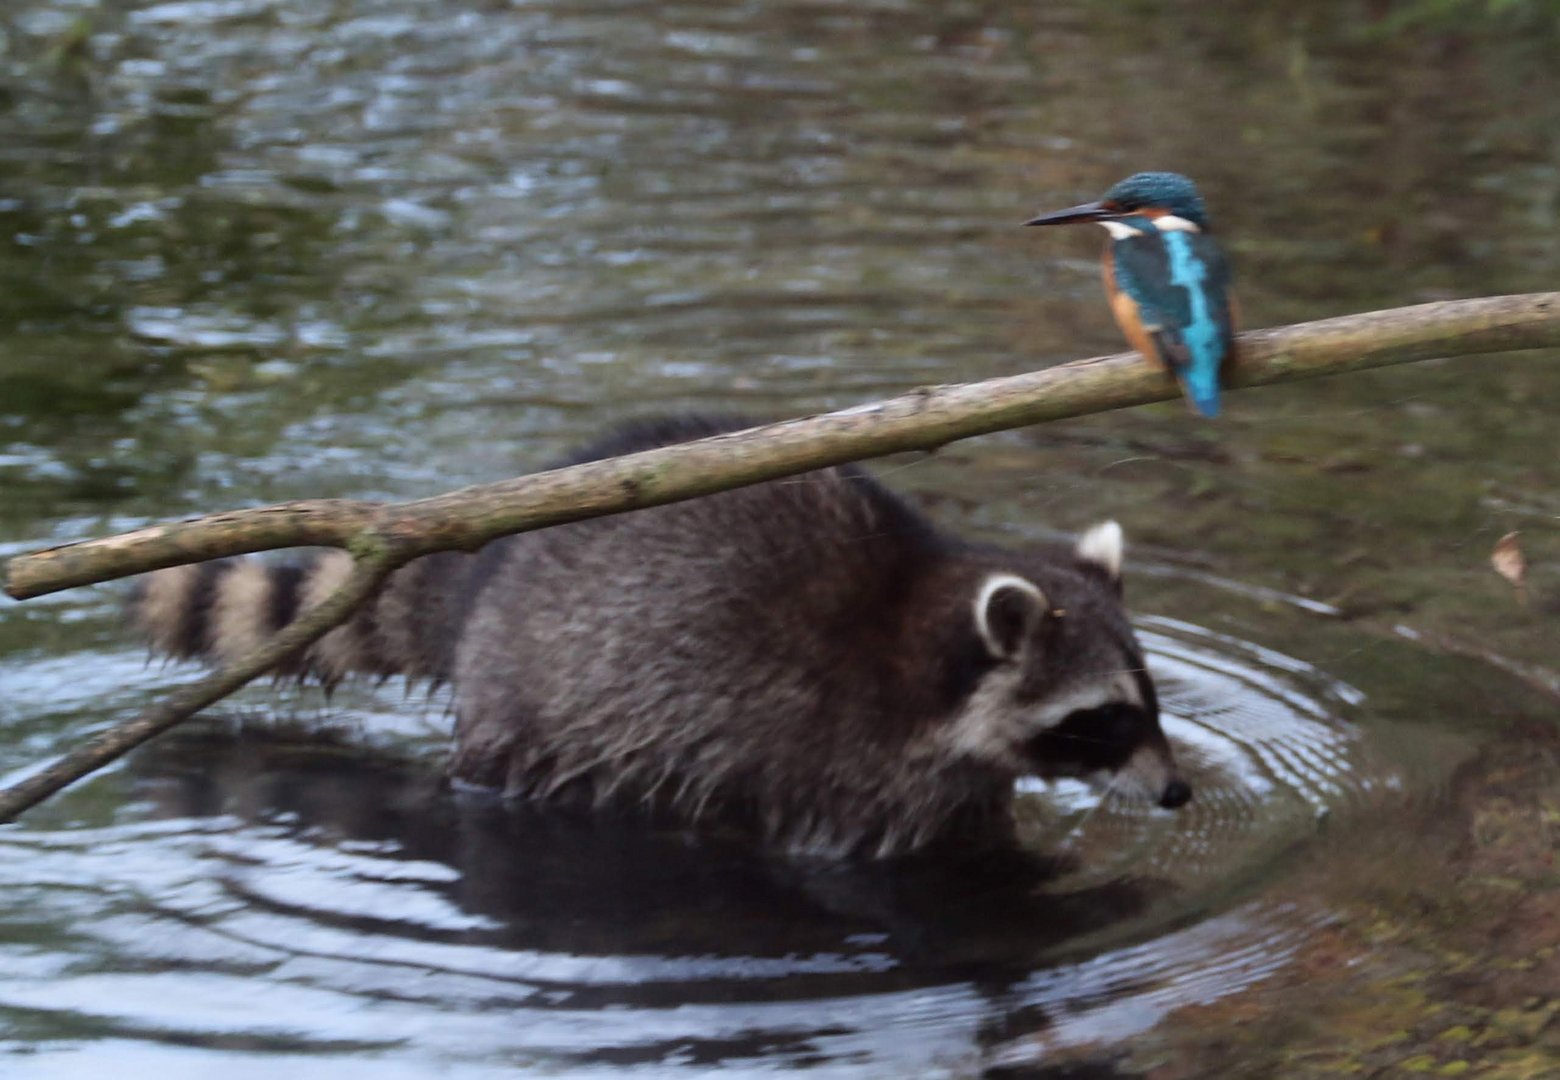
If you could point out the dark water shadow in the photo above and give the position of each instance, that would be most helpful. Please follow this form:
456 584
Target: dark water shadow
630 886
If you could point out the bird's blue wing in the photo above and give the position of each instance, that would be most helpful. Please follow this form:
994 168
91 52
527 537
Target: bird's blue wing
1180 282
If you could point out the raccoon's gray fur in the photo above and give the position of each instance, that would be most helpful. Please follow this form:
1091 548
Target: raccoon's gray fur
808 656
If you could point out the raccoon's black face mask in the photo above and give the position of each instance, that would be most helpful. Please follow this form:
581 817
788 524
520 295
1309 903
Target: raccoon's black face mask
1092 740
1119 739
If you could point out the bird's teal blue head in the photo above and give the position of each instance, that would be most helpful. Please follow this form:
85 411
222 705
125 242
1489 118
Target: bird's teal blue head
1140 193
1158 191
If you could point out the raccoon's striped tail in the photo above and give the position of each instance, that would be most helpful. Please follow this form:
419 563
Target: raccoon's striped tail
223 609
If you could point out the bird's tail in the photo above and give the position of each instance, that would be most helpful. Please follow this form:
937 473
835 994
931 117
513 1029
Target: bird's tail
1201 390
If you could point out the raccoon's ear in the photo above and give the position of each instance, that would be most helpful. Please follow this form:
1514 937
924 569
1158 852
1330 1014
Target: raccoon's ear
1007 607
1101 545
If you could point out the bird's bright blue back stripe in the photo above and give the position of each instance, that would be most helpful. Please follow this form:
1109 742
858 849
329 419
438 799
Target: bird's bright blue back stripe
1202 334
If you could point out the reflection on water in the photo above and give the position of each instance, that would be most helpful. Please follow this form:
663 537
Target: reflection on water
264 249
266 895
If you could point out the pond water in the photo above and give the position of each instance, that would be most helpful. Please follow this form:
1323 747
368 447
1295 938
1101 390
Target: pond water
268 249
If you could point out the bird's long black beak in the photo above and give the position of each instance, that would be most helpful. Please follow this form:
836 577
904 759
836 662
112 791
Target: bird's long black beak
1091 211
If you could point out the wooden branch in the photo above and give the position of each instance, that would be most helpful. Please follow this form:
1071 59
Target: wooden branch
307 523
922 419
366 576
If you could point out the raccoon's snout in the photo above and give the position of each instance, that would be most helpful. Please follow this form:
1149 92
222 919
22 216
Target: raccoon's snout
1177 793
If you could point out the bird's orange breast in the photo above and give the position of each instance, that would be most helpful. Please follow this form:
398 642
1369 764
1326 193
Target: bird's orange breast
1128 317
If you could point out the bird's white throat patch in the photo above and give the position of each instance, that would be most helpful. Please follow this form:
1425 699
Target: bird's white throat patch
1121 230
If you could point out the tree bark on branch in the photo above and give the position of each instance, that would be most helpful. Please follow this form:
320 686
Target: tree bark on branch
384 536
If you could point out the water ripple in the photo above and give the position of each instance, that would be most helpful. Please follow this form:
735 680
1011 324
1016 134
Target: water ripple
340 906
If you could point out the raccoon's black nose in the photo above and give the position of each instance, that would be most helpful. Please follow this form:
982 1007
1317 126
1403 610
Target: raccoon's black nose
1177 793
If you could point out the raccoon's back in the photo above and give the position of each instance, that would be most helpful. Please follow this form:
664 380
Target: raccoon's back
663 638
818 545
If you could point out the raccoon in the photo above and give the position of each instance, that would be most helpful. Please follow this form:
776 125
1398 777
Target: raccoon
810 658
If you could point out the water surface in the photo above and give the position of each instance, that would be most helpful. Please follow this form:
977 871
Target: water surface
266 249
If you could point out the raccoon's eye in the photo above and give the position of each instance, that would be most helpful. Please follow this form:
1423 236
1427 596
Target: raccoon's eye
1100 738
1120 725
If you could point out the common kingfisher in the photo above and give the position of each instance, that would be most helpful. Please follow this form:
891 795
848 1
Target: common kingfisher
1167 278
